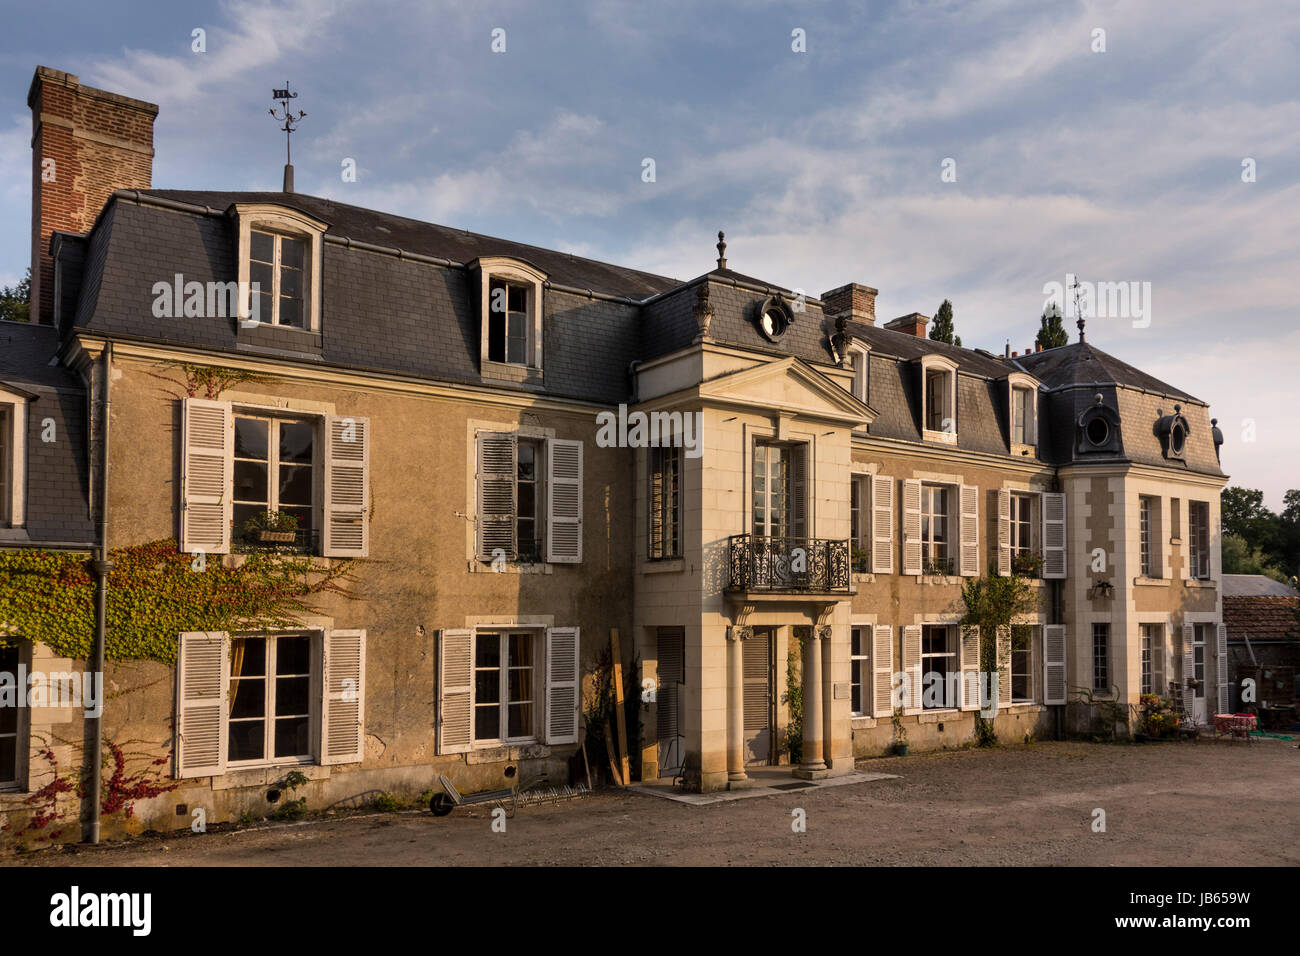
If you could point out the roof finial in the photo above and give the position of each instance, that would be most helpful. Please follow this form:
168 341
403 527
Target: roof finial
1080 325
722 251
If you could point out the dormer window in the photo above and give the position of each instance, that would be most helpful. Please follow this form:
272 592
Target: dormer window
858 359
13 432
280 252
510 313
1172 430
1098 429
1022 405
939 399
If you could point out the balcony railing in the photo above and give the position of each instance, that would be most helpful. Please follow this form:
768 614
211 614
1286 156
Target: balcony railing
793 565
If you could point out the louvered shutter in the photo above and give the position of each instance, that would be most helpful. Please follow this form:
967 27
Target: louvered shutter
1004 532
970 531
1158 679
207 476
347 487
1054 664
455 690
495 481
562 685
882 524
911 526
969 696
564 501
202 683
343 701
1221 668
1189 669
1053 534
882 652
799 490
912 665
1003 666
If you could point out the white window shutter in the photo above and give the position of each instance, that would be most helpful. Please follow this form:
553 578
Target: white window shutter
563 501
207 476
1003 665
1054 664
1221 668
882 524
1189 668
455 690
970 531
562 685
912 666
495 481
202 683
1004 532
969 695
799 490
911 526
343 701
882 664
1053 534
1158 679
346 531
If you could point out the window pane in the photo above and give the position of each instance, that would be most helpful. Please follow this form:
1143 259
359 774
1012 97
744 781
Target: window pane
302 514
497 336
250 481
250 438
247 657
291 313
517 353
525 502
527 461
521 720
517 299
248 697
293 656
295 485
247 740
487 723
521 650
487 687
261 246
242 513
296 441
292 695
291 737
487 650
292 252
521 684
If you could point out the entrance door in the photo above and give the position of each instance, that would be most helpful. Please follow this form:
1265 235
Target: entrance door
1198 671
759 703
671 647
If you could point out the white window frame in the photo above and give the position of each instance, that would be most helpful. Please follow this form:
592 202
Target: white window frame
1108 658
951 495
1198 541
952 643
1022 500
859 357
313 757
939 365
515 272
13 459
1147 638
274 419
861 673
537 636
863 515
667 517
1035 638
22 728
280 221
1019 382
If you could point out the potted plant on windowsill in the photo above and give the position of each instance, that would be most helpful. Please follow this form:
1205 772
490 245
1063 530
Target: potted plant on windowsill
937 568
1027 564
272 527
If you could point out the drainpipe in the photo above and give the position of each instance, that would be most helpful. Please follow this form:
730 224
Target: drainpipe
102 566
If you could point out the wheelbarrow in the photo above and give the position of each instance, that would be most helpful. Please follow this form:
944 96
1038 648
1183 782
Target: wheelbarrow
532 794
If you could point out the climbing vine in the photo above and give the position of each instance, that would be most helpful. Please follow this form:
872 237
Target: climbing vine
155 593
208 380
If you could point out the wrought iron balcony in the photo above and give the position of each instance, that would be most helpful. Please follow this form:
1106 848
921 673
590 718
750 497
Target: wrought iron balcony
789 565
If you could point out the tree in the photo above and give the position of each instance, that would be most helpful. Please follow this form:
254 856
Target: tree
993 602
941 327
1051 333
1241 558
16 301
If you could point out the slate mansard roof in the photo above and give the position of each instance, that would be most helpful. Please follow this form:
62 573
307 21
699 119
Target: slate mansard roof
397 298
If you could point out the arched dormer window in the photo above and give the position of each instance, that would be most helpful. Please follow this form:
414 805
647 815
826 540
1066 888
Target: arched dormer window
938 399
1172 430
279 266
510 311
1022 407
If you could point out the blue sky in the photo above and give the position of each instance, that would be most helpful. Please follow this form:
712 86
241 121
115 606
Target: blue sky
822 166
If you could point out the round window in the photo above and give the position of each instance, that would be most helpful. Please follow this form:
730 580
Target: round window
1176 439
773 323
1098 431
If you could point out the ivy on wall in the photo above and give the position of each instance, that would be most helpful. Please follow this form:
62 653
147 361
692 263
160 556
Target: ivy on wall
154 593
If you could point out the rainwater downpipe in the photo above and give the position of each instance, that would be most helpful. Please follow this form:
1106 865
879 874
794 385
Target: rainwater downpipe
102 567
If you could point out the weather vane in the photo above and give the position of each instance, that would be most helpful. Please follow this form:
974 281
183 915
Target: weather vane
289 119
1078 309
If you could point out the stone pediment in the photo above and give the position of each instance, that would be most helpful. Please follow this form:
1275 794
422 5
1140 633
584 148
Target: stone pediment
788 385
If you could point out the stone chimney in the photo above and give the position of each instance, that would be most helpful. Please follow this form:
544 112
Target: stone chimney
853 301
86 143
913 323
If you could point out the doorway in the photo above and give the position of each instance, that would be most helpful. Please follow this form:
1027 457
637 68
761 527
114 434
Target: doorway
671 648
1198 671
760 703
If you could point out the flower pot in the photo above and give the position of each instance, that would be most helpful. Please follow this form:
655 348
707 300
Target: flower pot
275 537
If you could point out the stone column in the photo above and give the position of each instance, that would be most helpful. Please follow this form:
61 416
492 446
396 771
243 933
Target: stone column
813 764
823 632
736 703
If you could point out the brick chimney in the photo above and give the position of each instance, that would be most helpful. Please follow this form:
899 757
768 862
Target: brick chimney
913 323
855 302
86 143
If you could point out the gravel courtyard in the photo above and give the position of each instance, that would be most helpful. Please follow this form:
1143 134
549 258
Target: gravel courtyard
1184 804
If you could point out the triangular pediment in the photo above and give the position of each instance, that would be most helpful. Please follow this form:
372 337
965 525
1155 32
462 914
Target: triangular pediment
788 385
